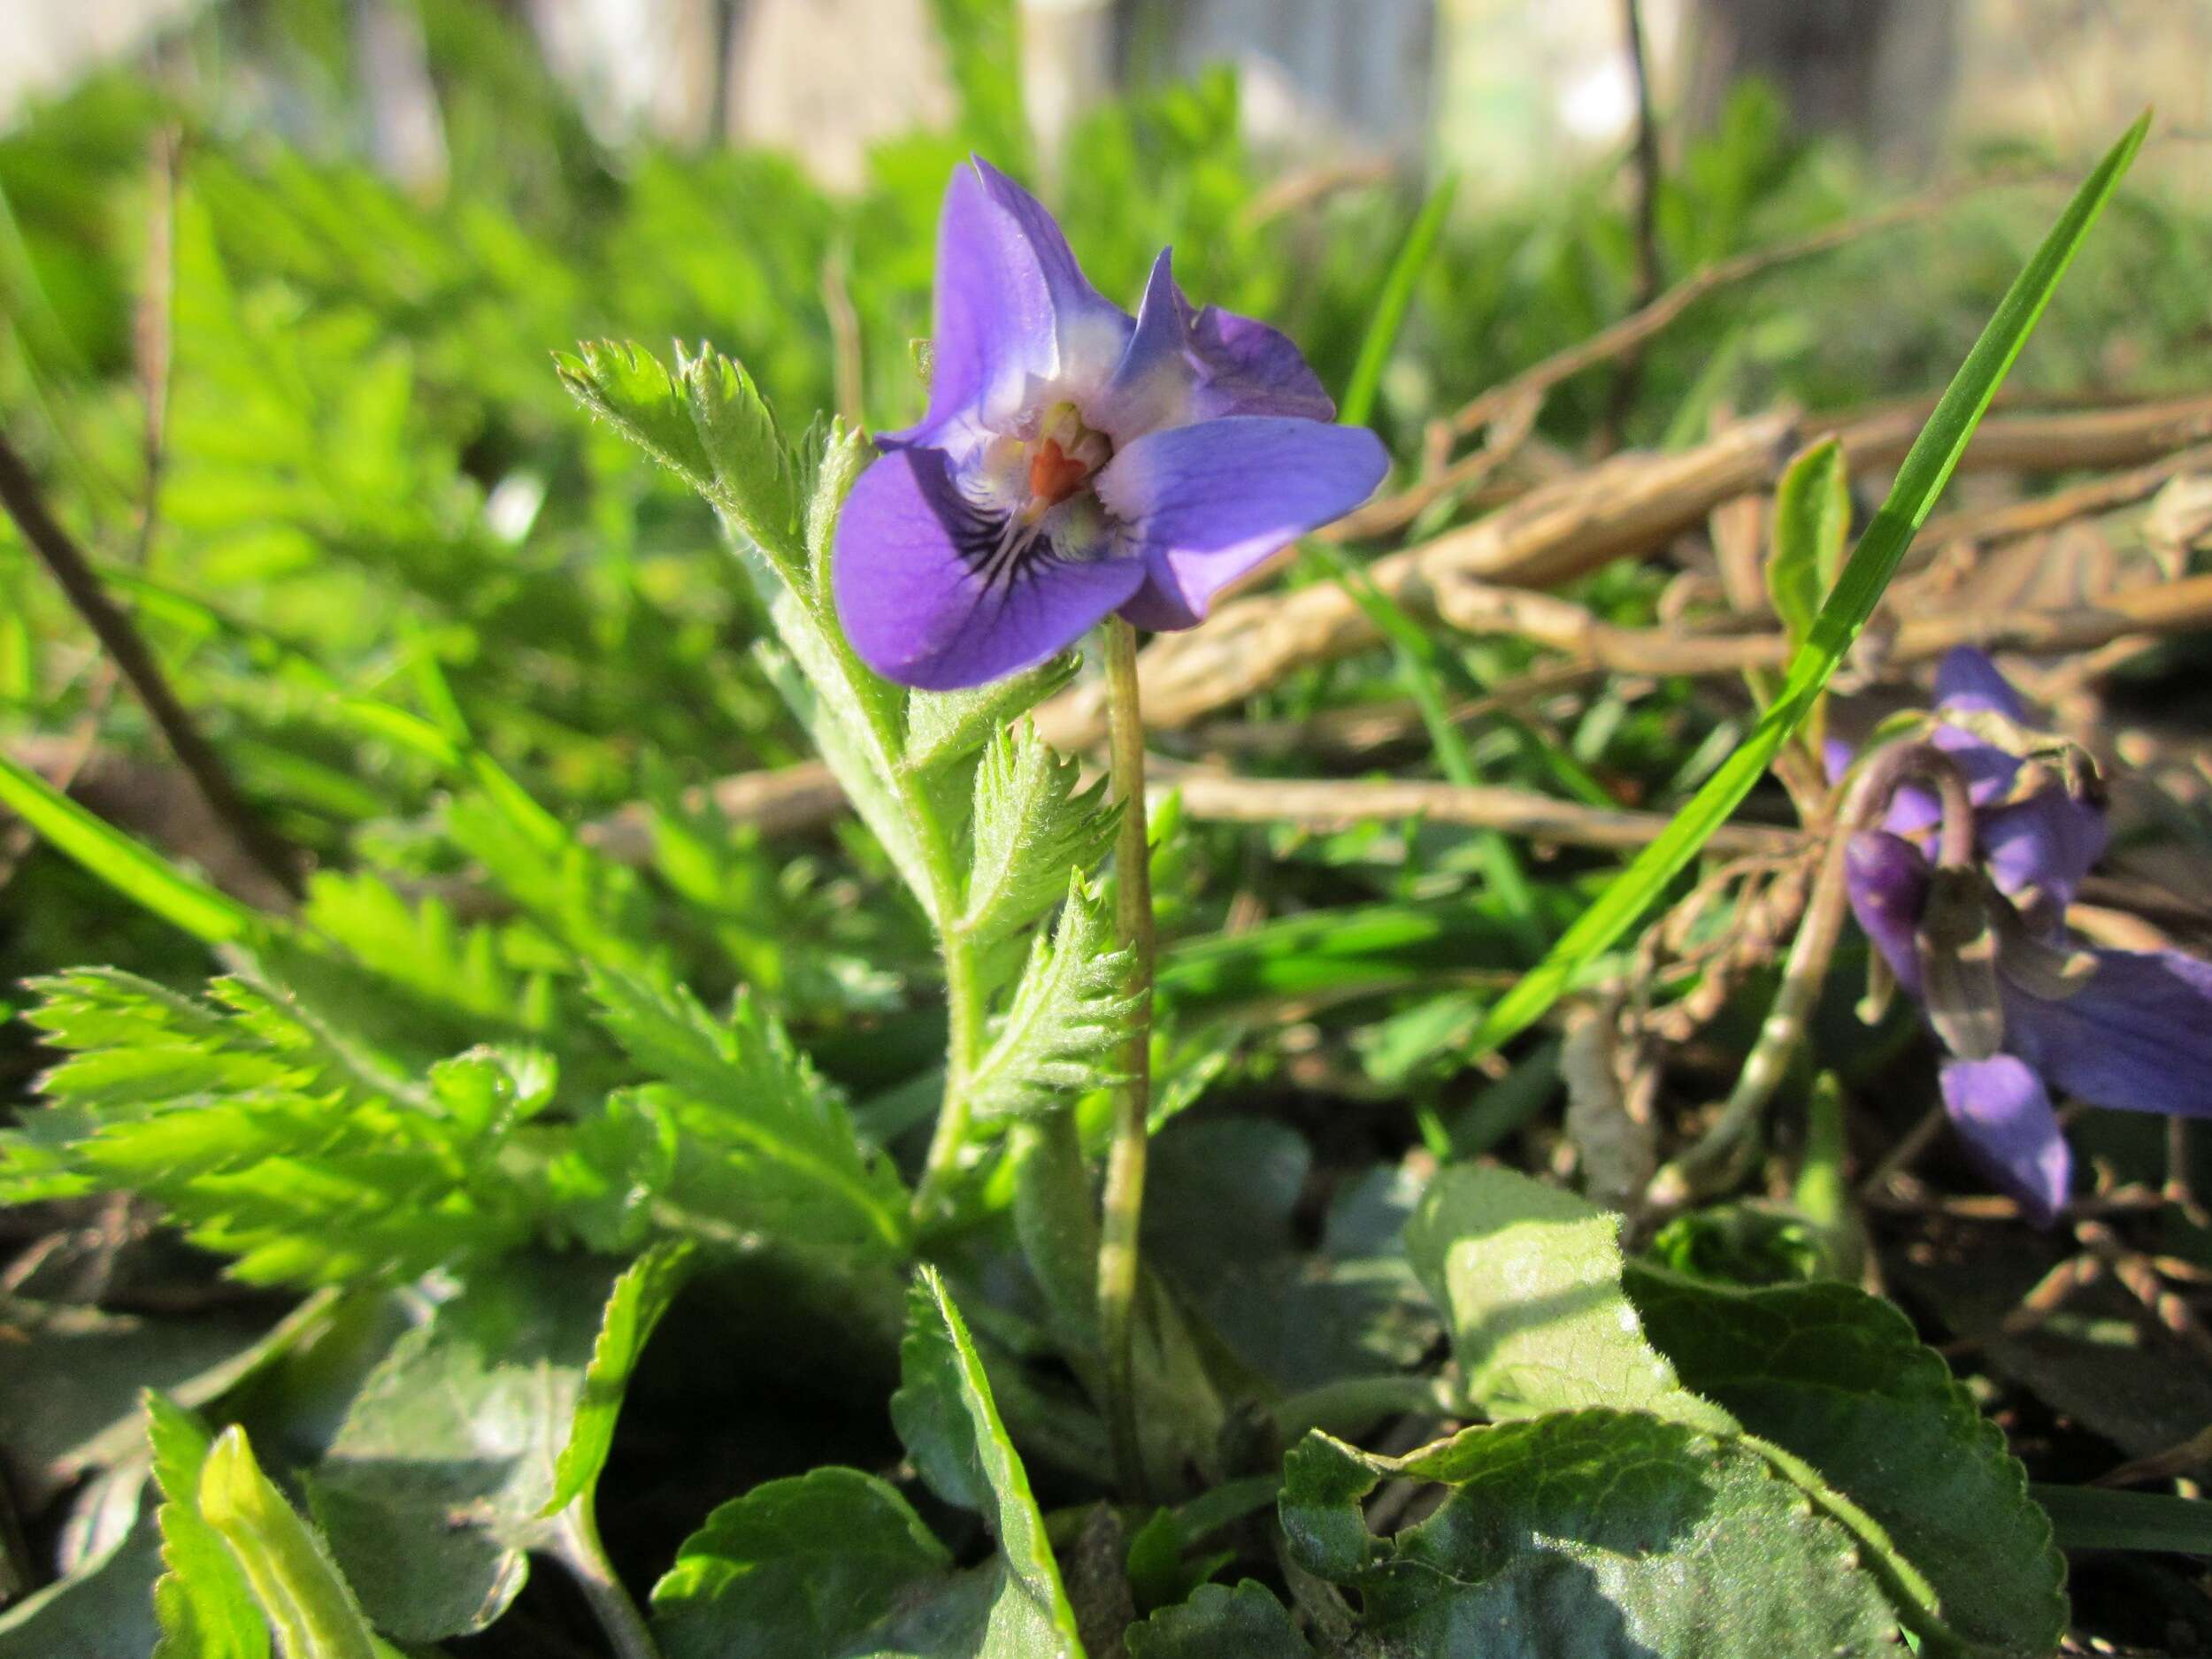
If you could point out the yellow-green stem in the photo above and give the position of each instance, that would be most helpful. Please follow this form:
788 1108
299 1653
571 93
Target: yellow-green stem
1123 1202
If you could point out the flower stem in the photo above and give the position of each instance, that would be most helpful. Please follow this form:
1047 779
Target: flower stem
1124 1201
964 1012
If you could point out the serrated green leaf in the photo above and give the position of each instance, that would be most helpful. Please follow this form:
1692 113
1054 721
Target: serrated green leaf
204 1601
1839 1378
436 1484
1588 1534
796 1568
943 728
762 1141
1070 1007
842 456
284 1129
1920 482
629 388
305 1598
750 465
1812 527
635 1306
950 1423
1530 1277
845 734
1220 1623
1033 828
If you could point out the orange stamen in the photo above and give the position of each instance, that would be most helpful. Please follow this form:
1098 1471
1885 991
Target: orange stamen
1053 475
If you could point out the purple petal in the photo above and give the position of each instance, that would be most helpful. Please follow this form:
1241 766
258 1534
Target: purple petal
2044 845
1248 368
1967 680
1836 756
1887 880
2005 1117
1012 306
1988 770
1152 385
920 611
1205 504
2137 1035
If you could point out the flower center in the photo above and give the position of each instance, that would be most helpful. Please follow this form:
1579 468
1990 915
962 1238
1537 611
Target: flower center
1062 458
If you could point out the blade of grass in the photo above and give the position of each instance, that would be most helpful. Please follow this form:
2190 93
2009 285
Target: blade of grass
1920 480
2086 1518
136 871
1425 667
1394 302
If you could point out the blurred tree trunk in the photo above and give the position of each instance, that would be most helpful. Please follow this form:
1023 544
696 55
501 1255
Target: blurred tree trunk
1315 72
1880 72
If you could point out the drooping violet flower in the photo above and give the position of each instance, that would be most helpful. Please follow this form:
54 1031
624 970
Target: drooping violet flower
1075 461
2118 1028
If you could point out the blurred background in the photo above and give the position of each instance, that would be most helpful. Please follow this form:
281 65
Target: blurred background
1509 90
280 280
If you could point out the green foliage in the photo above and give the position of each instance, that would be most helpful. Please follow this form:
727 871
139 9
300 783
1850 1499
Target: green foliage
757 1135
1587 1532
1826 1384
799 1566
272 1133
1031 828
1920 480
1518 1359
284 1561
552 1036
468 1445
838 1563
1219 1622
1070 1007
983 40
1812 529
1839 1379
203 1599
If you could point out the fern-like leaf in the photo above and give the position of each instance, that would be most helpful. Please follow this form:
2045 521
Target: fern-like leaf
1033 827
1070 1008
762 1142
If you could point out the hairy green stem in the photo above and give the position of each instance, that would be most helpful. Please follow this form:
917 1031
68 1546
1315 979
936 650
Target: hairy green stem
935 842
1123 1204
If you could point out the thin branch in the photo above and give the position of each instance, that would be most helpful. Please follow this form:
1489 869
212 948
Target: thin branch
1324 804
1640 326
19 495
1629 375
1630 504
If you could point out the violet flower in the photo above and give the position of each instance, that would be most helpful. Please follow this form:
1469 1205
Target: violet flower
2118 1028
1075 461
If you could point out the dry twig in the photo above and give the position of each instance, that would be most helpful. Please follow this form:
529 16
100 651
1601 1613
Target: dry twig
19 495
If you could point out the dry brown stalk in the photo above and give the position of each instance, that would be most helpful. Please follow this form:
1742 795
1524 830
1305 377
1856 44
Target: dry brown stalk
1561 625
1323 804
2127 434
1629 504
25 504
2038 513
1508 433
1642 324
